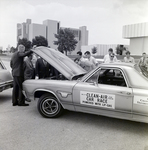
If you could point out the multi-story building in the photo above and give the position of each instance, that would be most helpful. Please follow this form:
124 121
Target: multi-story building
48 29
23 29
36 30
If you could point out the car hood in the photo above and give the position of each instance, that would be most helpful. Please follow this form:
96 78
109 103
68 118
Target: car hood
61 62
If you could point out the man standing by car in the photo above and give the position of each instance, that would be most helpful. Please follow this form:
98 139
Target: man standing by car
91 62
29 70
81 60
128 58
107 56
143 63
111 57
16 64
42 69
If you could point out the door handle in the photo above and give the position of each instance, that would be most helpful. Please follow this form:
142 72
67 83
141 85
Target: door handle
128 93
125 93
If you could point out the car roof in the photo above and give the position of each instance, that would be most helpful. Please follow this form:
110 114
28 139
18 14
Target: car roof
117 64
131 72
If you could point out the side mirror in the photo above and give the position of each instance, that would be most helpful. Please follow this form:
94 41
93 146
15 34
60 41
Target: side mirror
94 83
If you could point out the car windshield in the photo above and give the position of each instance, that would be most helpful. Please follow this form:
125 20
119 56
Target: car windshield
143 71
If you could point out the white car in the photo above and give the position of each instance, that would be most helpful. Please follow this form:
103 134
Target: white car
116 90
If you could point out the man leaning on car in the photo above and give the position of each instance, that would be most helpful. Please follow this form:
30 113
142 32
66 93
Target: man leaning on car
16 64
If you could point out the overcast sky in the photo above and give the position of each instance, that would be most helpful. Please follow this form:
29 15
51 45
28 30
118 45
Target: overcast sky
104 18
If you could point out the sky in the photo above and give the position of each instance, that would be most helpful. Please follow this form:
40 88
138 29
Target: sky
104 19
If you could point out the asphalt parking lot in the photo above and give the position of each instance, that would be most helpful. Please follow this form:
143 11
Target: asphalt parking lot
23 128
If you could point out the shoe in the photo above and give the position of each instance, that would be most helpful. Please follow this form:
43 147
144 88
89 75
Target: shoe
28 100
23 104
14 104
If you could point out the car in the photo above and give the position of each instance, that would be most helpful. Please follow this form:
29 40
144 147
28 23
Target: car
6 80
117 90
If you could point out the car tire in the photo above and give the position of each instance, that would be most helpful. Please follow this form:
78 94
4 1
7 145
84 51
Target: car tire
49 107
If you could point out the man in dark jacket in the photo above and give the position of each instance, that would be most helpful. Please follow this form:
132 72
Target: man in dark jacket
16 64
42 69
29 70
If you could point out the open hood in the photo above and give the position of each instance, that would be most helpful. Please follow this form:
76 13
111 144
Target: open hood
61 62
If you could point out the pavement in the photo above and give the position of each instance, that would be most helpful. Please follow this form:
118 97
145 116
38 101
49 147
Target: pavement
23 128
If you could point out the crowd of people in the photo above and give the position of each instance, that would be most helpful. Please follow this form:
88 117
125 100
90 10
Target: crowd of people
23 68
88 62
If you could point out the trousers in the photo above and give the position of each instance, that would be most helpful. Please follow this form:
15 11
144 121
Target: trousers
17 95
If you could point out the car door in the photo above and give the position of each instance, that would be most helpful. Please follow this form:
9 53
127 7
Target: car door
140 104
110 97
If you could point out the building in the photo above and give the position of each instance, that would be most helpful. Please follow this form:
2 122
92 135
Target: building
138 35
48 29
36 30
23 29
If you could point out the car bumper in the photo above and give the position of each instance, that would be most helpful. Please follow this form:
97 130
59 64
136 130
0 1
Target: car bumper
6 85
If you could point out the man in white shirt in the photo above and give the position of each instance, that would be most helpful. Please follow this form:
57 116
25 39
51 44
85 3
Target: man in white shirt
80 59
90 62
143 60
107 56
111 56
143 63
128 58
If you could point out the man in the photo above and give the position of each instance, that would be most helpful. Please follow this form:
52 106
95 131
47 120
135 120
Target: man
107 56
91 62
42 69
80 60
111 56
143 62
128 58
29 71
16 64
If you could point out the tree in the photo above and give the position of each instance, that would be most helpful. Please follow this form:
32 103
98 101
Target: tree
65 40
40 41
25 42
94 50
120 49
12 49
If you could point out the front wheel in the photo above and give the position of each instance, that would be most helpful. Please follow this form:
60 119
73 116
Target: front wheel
48 106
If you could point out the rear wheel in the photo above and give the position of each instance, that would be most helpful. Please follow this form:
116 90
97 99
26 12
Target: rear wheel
48 106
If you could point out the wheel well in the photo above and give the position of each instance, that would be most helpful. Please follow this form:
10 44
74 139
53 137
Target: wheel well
38 94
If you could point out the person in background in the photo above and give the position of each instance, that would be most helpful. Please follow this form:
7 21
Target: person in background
76 60
42 69
111 56
90 62
16 63
80 60
29 70
107 56
143 62
128 58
